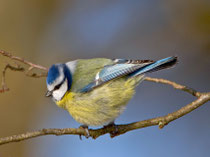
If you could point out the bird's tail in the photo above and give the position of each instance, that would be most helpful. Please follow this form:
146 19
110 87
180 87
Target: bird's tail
157 65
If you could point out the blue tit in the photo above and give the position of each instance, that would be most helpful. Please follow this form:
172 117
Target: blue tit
95 91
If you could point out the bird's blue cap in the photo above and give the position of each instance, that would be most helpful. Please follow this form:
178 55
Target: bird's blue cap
53 74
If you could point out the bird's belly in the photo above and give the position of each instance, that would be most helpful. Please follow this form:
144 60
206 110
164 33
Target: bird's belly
94 118
97 113
102 105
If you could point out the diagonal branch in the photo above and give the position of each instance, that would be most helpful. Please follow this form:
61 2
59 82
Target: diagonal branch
95 133
202 98
7 54
175 85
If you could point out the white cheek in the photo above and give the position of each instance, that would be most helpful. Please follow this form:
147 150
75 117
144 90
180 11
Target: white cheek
58 94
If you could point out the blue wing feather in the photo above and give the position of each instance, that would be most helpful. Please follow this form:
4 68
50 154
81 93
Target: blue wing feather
158 65
117 70
88 87
130 68
121 67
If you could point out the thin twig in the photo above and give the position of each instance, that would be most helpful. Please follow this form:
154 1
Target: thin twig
7 54
175 85
21 68
4 87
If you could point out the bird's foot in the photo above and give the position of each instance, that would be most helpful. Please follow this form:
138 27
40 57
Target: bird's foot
115 132
85 127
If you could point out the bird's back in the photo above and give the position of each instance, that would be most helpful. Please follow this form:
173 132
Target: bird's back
86 70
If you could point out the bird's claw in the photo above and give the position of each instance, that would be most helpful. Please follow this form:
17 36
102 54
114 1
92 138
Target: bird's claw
87 135
115 132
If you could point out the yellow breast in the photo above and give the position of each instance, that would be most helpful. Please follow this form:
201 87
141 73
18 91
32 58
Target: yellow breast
68 98
102 105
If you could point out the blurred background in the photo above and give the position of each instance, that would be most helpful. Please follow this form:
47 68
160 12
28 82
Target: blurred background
51 31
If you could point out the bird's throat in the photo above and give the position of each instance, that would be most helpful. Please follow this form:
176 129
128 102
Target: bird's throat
67 98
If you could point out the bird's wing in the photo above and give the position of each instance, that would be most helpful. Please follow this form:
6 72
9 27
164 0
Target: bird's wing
119 68
131 68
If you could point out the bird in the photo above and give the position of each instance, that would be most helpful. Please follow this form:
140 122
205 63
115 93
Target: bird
96 91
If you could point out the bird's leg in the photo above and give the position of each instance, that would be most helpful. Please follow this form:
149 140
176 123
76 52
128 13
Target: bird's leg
85 127
115 132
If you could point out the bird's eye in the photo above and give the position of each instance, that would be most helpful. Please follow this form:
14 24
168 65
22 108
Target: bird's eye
57 86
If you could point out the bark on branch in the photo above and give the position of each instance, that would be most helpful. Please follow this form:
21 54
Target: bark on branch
202 98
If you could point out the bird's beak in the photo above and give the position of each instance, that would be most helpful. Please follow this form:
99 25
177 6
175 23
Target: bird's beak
48 94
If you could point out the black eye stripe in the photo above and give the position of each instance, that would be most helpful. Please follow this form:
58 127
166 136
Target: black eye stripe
57 86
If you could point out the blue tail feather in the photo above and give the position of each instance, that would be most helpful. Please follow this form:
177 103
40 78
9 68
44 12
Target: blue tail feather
158 65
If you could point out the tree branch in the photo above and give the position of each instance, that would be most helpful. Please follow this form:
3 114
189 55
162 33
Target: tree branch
7 54
19 67
161 121
175 85
202 98
3 83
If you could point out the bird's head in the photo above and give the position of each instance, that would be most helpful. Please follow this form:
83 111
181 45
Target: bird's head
59 80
